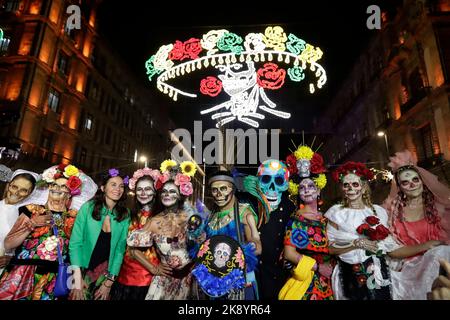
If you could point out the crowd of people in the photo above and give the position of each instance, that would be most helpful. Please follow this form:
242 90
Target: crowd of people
65 237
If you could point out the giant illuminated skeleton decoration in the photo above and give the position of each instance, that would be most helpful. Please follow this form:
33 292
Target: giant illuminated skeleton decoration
229 53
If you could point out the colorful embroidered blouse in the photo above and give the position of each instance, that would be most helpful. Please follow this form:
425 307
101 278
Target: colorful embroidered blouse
309 238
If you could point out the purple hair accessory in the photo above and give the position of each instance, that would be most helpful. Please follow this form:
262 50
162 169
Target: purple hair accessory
126 180
113 172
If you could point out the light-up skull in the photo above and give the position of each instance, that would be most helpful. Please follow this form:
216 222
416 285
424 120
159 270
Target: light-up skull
303 168
222 253
352 186
410 183
273 178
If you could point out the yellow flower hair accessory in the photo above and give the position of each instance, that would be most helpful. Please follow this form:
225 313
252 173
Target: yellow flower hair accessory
188 168
303 152
167 164
71 171
320 181
293 188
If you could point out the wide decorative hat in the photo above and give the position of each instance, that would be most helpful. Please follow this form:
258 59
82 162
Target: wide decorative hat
220 266
248 66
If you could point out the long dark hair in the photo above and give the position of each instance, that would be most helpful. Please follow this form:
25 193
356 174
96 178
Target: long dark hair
137 206
120 209
159 207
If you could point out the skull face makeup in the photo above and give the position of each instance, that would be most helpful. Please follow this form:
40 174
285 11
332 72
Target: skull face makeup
352 186
273 180
222 192
145 191
308 191
222 253
18 189
170 195
410 183
58 195
303 168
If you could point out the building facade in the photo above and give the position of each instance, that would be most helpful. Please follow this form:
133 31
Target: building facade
65 96
397 96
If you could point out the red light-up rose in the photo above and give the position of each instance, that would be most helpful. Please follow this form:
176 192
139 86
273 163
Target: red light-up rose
210 86
270 77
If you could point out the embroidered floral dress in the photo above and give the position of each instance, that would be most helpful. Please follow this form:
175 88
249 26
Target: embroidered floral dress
173 250
134 279
309 238
31 274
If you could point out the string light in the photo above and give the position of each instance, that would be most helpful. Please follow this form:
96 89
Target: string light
230 54
384 174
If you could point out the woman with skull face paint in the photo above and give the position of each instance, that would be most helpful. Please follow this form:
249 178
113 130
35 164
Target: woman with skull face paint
18 191
98 241
419 214
168 233
358 234
138 266
32 272
306 242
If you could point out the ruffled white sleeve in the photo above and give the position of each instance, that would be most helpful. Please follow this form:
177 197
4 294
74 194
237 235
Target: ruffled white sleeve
343 235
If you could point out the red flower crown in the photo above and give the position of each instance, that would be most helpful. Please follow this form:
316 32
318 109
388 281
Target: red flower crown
357 168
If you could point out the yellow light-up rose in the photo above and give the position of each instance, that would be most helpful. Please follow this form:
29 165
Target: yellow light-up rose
188 168
71 171
275 37
303 152
167 164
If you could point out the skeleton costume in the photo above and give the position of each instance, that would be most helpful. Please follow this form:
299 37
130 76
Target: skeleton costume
412 277
360 275
308 234
31 274
273 178
168 233
224 223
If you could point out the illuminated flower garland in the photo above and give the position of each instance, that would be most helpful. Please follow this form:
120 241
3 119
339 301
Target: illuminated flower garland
235 57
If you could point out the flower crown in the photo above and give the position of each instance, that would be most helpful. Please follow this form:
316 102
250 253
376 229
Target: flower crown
180 174
152 173
229 52
357 168
315 164
70 172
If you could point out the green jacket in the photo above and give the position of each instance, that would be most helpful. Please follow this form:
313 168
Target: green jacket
85 234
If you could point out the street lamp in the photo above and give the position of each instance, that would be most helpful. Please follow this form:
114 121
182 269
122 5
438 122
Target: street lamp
143 159
384 134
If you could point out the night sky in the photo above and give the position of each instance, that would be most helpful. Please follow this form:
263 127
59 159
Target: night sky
136 29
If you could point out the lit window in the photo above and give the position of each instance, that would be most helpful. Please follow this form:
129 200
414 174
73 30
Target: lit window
53 100
4 44
63 63
88 123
